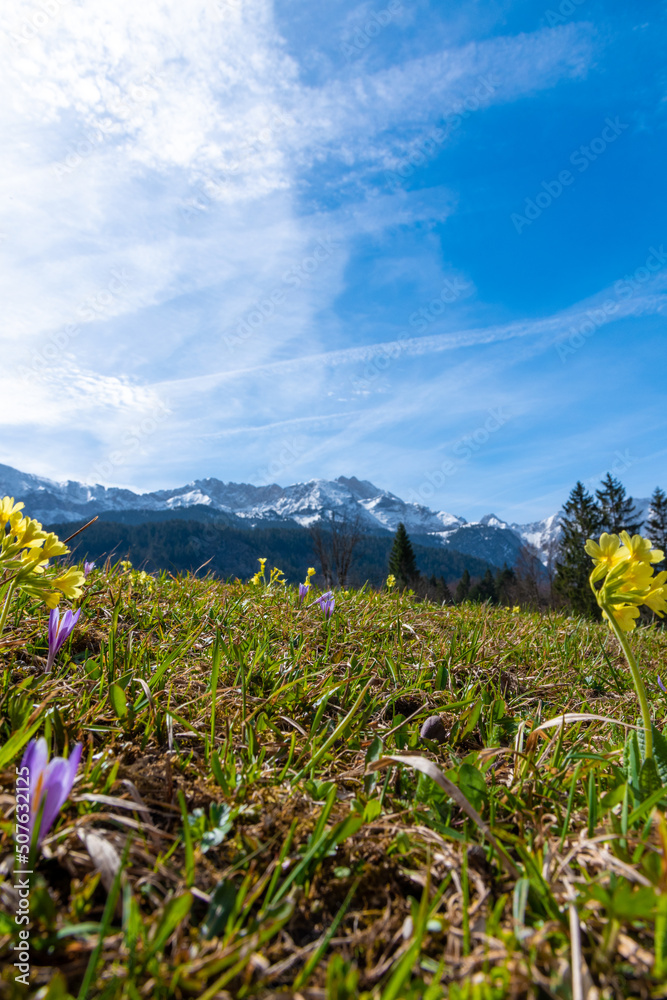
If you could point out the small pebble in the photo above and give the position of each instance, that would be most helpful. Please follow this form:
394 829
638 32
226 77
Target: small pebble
434 729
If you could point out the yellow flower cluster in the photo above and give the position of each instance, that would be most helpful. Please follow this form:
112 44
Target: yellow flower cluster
624 565
276 575
391 581
25 551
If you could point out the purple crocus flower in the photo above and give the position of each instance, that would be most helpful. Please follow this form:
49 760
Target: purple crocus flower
327 602
88 567
59 632
303 590
661 685
49 781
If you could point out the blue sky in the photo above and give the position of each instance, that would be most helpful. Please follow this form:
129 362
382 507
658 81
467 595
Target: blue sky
420 243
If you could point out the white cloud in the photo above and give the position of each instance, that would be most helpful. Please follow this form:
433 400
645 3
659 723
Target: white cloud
167 142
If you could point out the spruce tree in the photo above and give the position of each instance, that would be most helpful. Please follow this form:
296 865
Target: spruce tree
618 511
402 558
485 590
463 587
657 523
582 520
445 593
505 583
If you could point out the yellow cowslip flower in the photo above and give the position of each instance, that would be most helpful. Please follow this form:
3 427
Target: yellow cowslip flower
623 564
623 569
53 546
40 589
27 532
256 578
391 581
606 553
8 508
70 582
625 615
656 599
26 550
311 572
641 549
636 578
126 564
516 609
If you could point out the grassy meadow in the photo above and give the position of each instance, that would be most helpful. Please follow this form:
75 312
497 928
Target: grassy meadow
240 825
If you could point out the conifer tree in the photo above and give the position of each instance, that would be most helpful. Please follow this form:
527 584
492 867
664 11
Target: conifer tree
505 583
463 587
485 590
582 520
657 523
445 593
618 511
402 558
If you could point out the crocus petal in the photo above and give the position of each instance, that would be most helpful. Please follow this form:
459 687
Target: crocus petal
54 793
54 619
35 758
58 781
66 628
661 685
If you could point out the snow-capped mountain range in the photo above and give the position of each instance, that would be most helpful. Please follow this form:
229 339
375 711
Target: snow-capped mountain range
302 504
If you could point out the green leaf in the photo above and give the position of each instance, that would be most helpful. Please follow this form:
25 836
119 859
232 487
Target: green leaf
613 797
659 751
631 759
118 700
472 784
175 911
220 909
630 902
373 753
649 779
372 810
222 820
57 989
472 719
16 742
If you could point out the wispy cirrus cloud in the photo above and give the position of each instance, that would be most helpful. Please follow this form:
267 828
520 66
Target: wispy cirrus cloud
186 149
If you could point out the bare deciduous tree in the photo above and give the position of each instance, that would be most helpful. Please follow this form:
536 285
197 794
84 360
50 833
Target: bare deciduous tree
335 538
530 576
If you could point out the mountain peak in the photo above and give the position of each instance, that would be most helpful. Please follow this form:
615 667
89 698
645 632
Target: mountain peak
493 521
361 488
377 510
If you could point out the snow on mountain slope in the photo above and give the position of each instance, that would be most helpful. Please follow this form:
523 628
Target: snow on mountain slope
501 546
377 510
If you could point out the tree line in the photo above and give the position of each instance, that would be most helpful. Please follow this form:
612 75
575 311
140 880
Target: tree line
587 516
560 581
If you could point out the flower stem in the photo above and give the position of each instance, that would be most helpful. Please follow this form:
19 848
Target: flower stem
636 677
5 609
